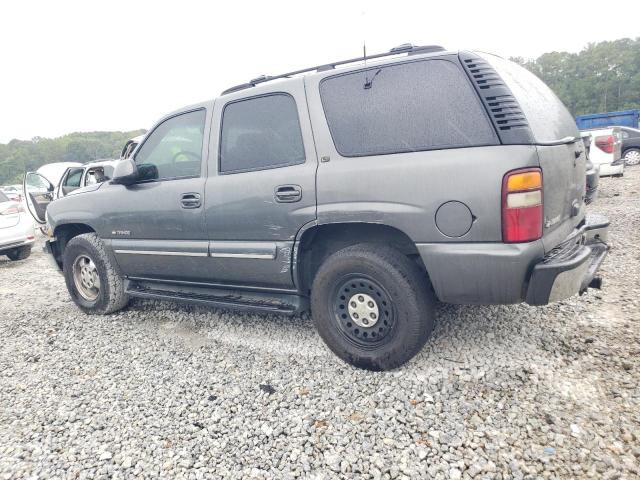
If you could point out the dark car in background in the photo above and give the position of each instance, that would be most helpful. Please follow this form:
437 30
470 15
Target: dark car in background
630 145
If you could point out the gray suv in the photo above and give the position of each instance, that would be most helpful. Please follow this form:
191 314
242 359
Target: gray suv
365 193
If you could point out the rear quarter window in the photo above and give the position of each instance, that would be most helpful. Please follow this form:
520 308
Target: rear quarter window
407 107
547 116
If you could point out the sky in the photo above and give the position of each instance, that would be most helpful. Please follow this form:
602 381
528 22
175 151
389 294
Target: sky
71 66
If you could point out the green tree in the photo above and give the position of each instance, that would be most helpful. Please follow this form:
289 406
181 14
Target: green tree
603 77
19 156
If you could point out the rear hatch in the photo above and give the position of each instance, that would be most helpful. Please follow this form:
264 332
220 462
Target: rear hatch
560 149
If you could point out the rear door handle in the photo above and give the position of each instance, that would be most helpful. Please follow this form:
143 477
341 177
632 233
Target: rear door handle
190 200
288 193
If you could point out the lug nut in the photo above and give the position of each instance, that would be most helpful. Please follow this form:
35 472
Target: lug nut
370 304
373 315
353 304
355 315
361 298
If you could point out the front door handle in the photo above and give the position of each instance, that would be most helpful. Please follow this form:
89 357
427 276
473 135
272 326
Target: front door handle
288 193
190 200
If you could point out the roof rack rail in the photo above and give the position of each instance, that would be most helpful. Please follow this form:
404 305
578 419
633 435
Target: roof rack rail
404 48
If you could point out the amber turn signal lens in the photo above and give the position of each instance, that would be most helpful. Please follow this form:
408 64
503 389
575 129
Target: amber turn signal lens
524 181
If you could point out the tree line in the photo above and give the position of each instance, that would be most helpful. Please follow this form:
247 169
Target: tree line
19 156
604 76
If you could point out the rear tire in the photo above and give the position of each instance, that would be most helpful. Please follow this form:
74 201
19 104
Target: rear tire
632 157
20 253
93 279
372 306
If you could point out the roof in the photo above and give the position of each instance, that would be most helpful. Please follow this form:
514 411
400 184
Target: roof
100 162
404 49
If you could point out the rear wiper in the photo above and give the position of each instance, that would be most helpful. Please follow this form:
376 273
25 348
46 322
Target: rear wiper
369 83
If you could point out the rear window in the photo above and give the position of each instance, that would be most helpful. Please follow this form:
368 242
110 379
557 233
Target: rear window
548 118
3 197
420 105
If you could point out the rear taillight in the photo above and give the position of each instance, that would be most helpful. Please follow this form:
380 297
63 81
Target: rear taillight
605 143
12 210
522 205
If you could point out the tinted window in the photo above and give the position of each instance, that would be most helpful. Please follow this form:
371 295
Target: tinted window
548 118
407 107
74 177
262 132
630 133
3 197
174 148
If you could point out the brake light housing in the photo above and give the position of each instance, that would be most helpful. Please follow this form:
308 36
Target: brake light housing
522 205
13 210
605 143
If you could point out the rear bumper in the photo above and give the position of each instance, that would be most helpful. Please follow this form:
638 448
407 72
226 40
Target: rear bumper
503 273
610 169
5 247
20 235
571 266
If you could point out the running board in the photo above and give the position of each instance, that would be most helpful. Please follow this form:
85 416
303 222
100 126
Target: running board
274 302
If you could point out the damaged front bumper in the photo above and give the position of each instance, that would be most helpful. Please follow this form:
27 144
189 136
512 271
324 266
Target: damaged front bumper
570 267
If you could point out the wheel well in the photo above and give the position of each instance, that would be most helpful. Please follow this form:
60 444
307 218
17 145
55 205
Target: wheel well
317 243
63 234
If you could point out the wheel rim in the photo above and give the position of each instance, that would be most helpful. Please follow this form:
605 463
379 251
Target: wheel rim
86 278
363 311
632 157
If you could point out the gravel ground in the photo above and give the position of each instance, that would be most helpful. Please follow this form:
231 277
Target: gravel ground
164 390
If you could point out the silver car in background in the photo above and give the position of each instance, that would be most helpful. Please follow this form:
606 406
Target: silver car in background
17 233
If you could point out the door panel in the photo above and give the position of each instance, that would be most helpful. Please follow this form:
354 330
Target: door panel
152 234
252 217
156 226
38 194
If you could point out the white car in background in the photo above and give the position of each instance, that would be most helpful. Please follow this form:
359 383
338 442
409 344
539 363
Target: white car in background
17 233
606 150
56 180
131 146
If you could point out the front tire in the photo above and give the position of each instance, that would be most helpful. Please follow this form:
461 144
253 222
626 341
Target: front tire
372 306
632 157
20 253
93 280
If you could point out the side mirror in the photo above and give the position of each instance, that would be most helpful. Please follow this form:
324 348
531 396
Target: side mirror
125 172
147 171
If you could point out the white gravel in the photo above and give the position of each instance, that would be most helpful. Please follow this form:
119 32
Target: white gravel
164 390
